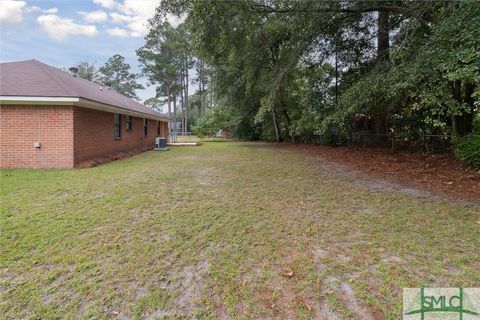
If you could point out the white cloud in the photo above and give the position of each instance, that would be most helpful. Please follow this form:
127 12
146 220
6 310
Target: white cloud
94 16
38 9
60 28
109 4
120 18
142 11
118 32
12 11
134 13
51 10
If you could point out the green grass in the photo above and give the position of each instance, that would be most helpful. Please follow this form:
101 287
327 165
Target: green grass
208 232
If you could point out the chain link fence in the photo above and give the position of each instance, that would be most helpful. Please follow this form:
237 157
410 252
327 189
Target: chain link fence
428 142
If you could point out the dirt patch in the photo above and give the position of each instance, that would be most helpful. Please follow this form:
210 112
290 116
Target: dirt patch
390 259
318 255
191 284
416 172
158 314
204 176
222 313
325 313
352 303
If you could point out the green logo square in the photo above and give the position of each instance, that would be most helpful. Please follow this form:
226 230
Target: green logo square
441 303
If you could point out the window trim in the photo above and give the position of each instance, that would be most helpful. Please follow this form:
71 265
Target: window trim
145 127
128 123
117 124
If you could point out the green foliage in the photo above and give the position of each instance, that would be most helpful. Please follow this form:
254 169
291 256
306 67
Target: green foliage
161 57
154 103
87 70
116 73
216 119
310 71
446 70
467 149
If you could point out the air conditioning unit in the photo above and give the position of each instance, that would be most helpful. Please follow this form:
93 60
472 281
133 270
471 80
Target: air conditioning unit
161 144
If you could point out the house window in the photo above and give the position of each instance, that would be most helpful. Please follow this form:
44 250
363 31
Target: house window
145 127
158 128
128 123
117 132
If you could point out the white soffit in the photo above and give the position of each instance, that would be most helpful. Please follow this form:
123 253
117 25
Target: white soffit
85 103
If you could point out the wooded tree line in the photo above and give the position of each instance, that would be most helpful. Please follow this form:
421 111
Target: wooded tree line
290 70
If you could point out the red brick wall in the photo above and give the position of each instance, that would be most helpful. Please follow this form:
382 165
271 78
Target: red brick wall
94 134
68 136
22 126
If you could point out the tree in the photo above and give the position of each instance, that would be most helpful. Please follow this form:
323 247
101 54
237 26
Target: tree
116 73
87 70
166 60
154 103
300 70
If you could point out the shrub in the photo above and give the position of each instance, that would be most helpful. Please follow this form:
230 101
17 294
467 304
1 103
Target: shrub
467 149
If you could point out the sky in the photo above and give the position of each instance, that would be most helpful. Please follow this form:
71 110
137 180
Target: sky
63 32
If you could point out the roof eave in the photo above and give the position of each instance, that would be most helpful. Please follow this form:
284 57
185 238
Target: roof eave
74 101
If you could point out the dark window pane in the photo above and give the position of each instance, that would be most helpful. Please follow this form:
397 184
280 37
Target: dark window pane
116 125
128 123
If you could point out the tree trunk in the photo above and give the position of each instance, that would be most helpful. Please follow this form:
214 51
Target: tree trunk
288 124
169 109
175 117
182 97
275 125
463 124
283 107
200 82
182 104
383 35
383 56
186 94
336 74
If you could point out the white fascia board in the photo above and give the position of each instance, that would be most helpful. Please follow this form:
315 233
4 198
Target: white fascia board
90 104
72 101
38 100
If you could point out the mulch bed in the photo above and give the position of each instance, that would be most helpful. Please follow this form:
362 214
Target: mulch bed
108 158
437 173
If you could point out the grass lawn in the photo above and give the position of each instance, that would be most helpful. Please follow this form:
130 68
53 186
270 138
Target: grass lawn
227 230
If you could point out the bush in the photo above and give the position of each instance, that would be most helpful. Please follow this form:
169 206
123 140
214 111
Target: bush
467 149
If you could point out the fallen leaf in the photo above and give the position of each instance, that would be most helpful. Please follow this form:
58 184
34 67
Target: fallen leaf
478 222
288 272
272 306
308 307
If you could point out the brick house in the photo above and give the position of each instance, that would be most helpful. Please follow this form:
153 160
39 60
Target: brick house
52 119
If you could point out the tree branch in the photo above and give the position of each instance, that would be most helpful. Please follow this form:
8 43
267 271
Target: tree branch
268 9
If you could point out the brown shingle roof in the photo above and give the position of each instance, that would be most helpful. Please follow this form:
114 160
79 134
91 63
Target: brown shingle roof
36 79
